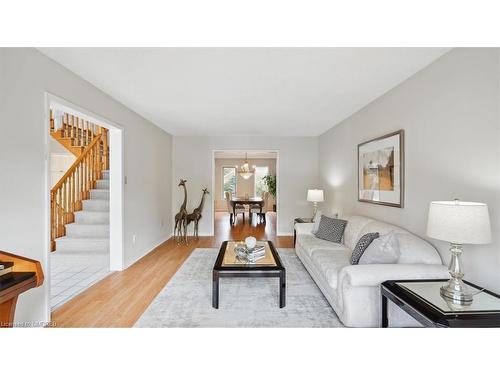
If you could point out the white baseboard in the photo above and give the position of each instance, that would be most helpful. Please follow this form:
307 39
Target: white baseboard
151 248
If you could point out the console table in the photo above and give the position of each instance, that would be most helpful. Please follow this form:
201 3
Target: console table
25 274
421 299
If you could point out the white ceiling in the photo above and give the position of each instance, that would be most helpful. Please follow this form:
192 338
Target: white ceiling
245 91
243 154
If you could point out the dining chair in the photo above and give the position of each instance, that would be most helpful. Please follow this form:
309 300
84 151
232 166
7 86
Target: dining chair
239 209
255 208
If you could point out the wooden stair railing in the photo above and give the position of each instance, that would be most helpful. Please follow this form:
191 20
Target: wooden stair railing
75 133
67 195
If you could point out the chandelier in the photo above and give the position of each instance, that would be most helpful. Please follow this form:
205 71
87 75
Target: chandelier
245 171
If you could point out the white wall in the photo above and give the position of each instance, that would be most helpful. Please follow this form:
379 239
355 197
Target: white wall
242 186
25 76
297 172
450 114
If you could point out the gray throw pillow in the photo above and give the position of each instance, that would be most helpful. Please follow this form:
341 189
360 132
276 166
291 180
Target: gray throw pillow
331 229
362 245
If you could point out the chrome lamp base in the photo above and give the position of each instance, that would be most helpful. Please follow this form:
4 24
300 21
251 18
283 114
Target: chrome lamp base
315 210
455 290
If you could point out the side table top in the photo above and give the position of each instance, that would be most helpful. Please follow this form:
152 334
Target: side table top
303 220
423 296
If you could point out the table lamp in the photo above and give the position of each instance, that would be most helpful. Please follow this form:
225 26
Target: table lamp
315 196
458 223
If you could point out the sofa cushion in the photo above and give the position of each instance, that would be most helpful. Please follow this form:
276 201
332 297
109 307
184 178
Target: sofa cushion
381 227
383 250
331 229
311 243
329 263
413 250
355 225
362 245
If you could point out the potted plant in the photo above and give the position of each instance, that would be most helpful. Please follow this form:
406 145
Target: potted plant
270 182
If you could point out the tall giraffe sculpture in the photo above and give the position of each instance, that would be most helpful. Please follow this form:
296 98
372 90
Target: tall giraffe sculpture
180 217
195 216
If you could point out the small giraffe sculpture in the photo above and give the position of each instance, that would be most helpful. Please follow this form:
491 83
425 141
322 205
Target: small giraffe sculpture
195 216
180 217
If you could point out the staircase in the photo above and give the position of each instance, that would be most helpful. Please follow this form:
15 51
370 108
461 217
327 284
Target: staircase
90 230
80 199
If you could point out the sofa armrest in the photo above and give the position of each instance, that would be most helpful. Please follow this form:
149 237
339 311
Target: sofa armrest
375 274
304 228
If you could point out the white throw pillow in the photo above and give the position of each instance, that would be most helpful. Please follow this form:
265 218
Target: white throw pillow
383 250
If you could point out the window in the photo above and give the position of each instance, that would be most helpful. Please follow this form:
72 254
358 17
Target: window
228 181
260 186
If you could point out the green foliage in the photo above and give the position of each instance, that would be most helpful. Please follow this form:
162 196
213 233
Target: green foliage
270 182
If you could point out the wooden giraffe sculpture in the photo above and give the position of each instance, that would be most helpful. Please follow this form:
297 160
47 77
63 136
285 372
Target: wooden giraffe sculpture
180 217
195 216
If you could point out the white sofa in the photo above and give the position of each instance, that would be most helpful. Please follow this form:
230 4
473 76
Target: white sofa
354 290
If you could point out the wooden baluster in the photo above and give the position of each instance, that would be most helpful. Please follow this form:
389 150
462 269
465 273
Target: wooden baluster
84 176
65 124
85 136
52 127
96 172
87 171
59 216
94 169
99 159
72 192
89 132
82 134
86 133
77 131
77 192
105 148
71 122
82 189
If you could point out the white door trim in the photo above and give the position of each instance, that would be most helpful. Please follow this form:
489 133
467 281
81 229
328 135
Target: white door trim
212 216
116 173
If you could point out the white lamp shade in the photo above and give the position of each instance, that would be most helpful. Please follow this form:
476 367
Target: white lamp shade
459 222
315 195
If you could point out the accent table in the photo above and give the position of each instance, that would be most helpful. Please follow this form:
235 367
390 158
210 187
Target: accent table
227 265
421 299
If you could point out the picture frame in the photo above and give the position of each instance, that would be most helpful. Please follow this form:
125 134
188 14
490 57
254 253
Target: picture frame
381 170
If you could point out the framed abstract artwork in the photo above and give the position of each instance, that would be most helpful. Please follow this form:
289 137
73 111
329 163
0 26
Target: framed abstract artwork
381 170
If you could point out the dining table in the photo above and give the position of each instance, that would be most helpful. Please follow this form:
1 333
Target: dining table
246 200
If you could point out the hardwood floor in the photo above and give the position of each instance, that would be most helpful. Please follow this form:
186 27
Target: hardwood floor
121 298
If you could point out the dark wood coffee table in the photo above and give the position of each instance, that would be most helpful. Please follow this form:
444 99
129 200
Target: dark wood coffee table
227 265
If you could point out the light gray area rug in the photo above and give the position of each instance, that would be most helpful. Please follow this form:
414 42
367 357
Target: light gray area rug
186 301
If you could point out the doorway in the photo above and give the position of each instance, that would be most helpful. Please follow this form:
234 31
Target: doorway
228 180
84 203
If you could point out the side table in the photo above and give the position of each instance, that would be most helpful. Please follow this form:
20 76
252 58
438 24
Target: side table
421 299
299 220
